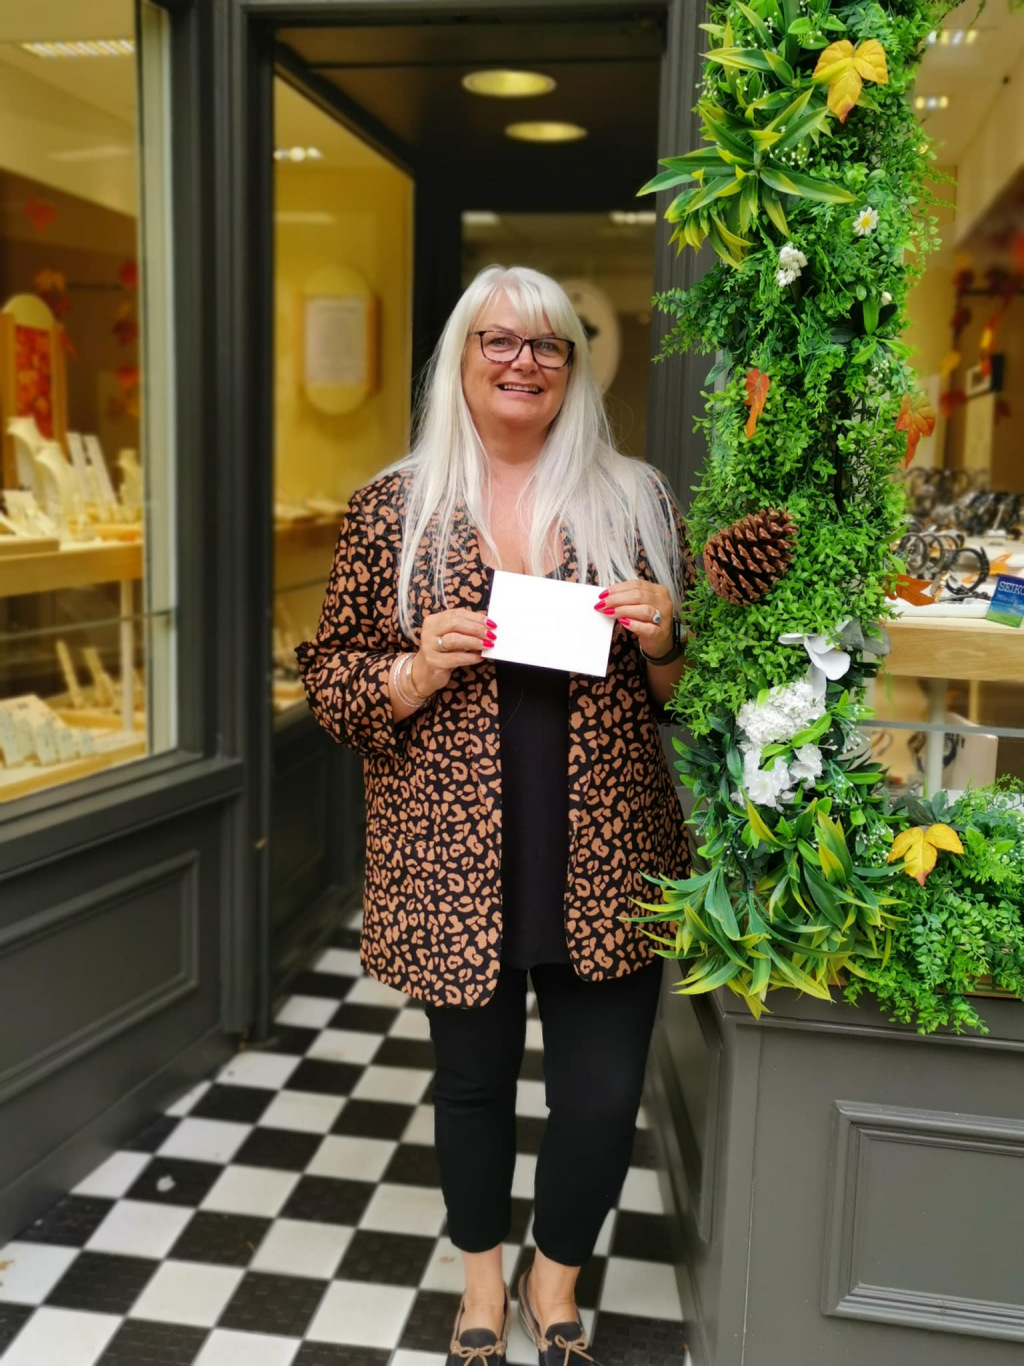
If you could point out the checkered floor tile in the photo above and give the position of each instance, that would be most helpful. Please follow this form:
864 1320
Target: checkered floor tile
288 1213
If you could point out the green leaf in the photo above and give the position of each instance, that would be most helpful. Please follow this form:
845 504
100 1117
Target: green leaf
761 830
788 181
665 180
781 68
802 127
714 189
773 208
718 903
870 309
690 987
832 836
757 23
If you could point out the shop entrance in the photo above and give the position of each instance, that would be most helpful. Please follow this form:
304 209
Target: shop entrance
408 155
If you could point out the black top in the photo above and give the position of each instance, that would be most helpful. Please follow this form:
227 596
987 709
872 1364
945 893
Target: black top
533 722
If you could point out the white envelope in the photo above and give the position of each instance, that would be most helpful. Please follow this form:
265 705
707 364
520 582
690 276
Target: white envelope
549 623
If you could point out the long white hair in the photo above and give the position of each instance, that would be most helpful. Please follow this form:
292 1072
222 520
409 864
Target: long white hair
603 499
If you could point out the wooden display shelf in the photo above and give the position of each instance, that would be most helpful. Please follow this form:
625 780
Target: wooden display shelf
36 778
303 552
76 567
978 650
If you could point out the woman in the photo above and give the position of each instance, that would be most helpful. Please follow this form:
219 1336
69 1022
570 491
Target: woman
512 811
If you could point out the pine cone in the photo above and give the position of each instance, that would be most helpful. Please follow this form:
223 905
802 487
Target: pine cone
744 561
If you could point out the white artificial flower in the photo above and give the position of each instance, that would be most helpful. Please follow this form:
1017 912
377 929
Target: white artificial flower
886 298
785 277
866 221
792 258
765 787
806 765
789 708
828 662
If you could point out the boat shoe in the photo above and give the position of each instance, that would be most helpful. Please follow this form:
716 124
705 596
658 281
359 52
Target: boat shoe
478 1346
562 1344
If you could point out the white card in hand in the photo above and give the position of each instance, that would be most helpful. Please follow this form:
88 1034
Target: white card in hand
549 623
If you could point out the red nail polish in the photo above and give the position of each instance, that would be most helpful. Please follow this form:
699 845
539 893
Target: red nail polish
488 642
625 621
609 611
603 594
491 624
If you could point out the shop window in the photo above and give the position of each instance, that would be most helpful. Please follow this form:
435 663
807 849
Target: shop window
87 648
343 327
950 706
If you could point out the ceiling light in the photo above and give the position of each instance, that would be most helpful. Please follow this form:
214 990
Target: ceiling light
480 218
545 132
931 102
508 85
298 154
93 47
633 217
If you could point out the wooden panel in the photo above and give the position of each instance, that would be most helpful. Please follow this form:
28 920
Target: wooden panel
916 1196
73 956
955 649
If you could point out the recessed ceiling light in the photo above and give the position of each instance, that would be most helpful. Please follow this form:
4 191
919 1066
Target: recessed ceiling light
930 102
480 218
546 132
633 217
508 85
94 47
298 154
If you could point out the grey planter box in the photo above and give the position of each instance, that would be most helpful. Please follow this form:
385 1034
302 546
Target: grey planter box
846 1189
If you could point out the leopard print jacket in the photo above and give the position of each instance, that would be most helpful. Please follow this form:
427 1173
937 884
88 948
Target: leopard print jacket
432 907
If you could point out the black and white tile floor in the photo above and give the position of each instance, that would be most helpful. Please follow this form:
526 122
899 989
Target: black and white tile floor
288 1213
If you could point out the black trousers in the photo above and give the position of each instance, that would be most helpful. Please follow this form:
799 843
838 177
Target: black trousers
596 1040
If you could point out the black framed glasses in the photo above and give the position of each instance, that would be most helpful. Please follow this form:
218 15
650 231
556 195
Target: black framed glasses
550 353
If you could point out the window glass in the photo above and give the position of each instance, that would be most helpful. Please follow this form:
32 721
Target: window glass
342 336
950 707
87 662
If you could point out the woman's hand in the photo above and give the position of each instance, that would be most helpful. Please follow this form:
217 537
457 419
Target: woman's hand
449 640
634 604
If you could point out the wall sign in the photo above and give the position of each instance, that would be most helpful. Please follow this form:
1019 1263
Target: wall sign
339 340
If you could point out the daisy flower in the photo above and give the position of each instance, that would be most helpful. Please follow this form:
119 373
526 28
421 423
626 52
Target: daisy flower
866 221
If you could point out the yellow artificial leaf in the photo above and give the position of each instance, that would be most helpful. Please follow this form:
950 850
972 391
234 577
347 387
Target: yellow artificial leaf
869 59
944 837
844 69
919 849
949 363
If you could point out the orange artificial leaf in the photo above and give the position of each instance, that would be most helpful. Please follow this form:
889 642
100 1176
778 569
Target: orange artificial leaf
917 419
919 849
757 393
950 400
49 282
913 590
128 377
128 275
844 69
40 213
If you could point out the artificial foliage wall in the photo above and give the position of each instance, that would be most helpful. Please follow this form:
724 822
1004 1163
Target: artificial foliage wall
812 191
